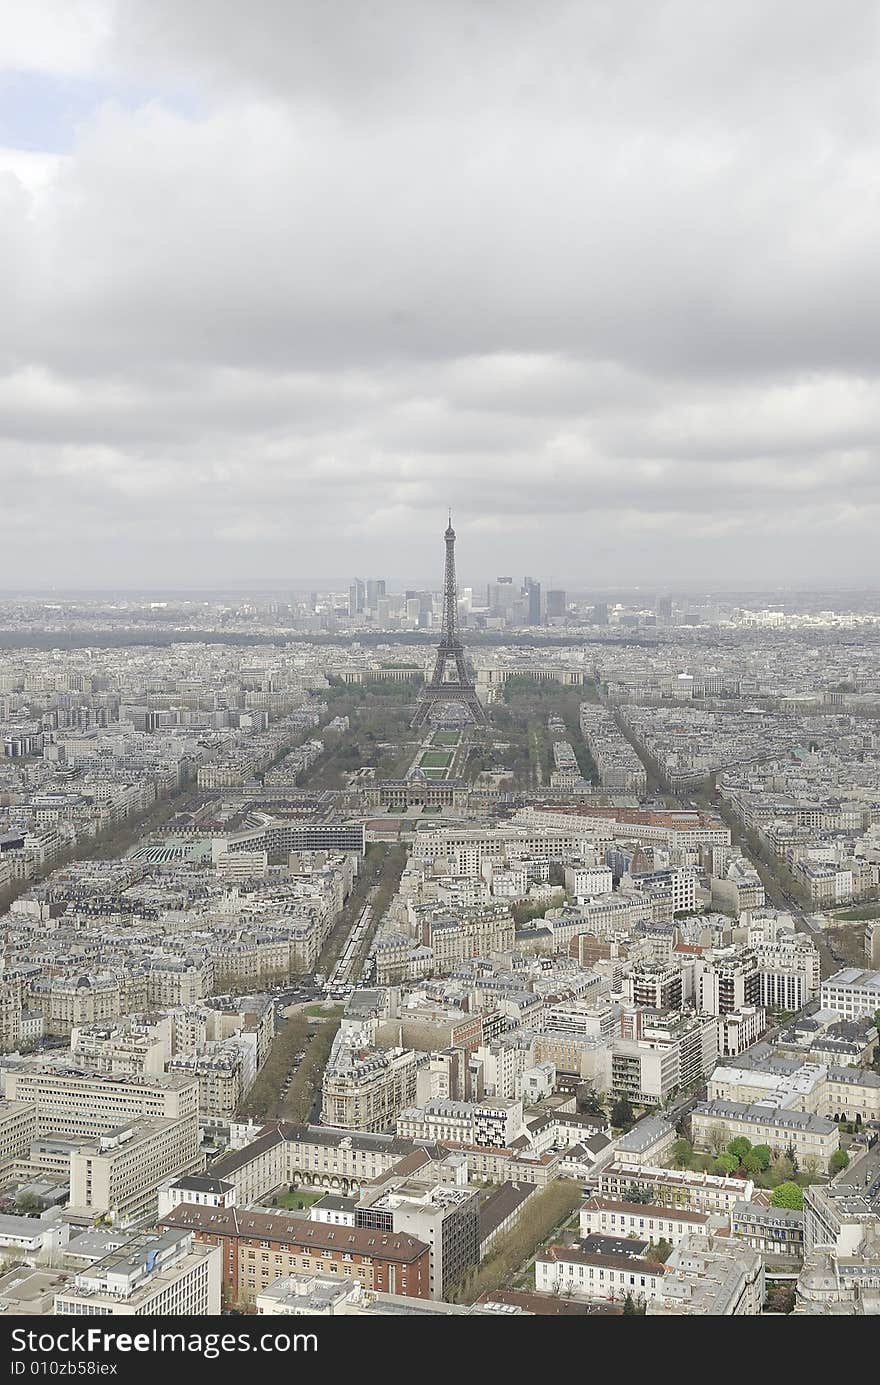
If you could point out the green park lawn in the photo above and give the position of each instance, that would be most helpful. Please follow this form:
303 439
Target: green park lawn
297 1201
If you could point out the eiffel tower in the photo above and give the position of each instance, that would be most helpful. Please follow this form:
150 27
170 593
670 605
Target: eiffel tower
459 687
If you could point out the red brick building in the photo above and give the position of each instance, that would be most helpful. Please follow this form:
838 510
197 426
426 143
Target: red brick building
260 1246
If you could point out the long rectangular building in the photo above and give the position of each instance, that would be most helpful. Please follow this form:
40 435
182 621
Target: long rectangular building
258 1247
78 1104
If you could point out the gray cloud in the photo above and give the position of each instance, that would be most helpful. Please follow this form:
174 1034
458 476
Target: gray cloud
603 276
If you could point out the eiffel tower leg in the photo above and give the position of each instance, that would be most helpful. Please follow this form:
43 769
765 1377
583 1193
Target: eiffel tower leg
421 713
476 709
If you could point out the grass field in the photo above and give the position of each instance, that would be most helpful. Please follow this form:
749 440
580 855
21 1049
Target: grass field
860 914
320 1011
435 759
297 1201
445 738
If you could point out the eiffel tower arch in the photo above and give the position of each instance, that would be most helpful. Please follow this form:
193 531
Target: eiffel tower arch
450 681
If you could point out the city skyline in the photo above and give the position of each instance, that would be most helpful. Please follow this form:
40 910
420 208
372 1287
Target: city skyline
439 671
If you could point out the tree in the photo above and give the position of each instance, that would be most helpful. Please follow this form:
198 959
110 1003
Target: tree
791 1155
682 1154
781 1298
590 1104
718 1139
545 1210
726 1164
28 1205
838 1161
788 1195
739 1148
782 1169
757 1159
622 1114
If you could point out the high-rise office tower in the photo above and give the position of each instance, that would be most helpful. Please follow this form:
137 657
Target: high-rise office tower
375 590
501 596
356 597
532 592
556 603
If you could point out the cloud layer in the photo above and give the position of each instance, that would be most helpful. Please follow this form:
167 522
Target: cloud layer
603 276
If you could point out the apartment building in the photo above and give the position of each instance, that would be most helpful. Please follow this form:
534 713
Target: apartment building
777 1233
645 1221
674 1188
583 882
446 1219
837 1214
117 1175
488 1124
10 1015
149 1276
852 992
225 1073
655 986
728 981
602 1269
258 1247
18 1130
740 1029
739 889
811 1137
783 964
172 982
454 940
81 1105
366 1088
133 1044
308 1156
722 1277
671 1052
836 1093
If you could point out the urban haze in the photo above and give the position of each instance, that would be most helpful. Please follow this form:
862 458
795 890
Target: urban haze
439 670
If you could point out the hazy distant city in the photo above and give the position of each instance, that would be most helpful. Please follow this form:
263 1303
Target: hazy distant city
539 933
439 671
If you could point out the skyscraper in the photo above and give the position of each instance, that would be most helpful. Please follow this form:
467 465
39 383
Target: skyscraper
501 596
356 597
532 590
375 590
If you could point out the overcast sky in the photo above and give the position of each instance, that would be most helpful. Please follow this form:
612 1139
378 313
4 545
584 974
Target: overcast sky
281 280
